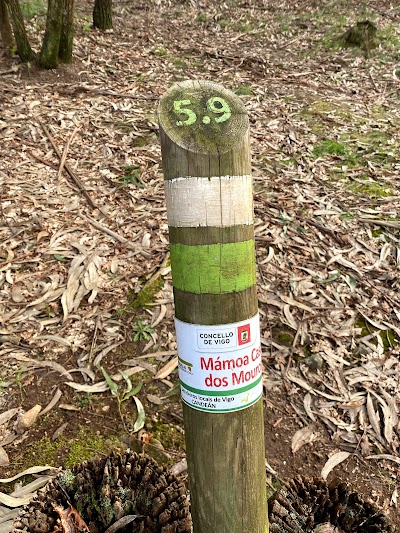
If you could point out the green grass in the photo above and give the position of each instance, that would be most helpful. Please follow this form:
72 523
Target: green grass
180 63
370 188
201 17
160 52
33 8
245 90
131 177
329 147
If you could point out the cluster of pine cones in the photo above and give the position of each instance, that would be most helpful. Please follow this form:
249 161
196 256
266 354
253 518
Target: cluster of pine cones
131 493
95 495
304 506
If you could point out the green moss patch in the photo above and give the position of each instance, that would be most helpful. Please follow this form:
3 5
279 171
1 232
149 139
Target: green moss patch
329 147
147 295
245 90
169 435
369 187
67 452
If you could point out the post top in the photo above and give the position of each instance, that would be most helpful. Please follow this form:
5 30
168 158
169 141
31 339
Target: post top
202 116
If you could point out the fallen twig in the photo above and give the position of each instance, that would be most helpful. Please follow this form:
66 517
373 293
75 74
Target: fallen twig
383 223
65 153
75 178
107 92
116 236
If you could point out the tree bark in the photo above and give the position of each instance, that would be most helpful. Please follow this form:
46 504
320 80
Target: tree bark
51 41
6 33
24 49
67 32
102 14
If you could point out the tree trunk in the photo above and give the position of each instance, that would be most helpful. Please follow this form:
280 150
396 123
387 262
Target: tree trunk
67 32
51 41
7 37
24 49
102 14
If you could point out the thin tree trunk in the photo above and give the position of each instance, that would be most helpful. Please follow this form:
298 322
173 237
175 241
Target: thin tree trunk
102 14
67 32
24 49
6 33
51 41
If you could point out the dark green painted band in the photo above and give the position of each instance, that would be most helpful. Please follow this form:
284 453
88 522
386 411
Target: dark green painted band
225 410
222 393
212 309
211 234
213 268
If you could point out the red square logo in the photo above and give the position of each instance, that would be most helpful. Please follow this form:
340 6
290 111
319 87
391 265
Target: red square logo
243 334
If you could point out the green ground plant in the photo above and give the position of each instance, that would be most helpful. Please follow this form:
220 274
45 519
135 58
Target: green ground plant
142 332
123 393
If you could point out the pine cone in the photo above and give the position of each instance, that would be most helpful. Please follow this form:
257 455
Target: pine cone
302 504
104 490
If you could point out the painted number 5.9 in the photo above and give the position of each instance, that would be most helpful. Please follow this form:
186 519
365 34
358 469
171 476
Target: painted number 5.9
216 105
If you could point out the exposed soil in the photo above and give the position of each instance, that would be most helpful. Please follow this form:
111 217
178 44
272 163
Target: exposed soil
325 139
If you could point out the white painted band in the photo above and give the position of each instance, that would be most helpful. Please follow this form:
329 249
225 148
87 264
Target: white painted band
217 201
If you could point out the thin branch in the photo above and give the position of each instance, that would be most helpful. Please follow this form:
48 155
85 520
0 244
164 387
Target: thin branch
117 237
65 153
74 178
383 223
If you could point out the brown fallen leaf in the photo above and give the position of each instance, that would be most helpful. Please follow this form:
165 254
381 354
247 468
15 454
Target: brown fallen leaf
71 520
333 461
68 407
303 436
154 399
7 415
4 460
26 420
167 369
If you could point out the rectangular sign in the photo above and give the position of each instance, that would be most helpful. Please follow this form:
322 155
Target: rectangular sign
220 368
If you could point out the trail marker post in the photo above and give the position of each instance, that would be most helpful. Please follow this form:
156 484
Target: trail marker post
204 131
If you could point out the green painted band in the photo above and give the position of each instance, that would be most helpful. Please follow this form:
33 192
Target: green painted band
213 268
222 393
225 410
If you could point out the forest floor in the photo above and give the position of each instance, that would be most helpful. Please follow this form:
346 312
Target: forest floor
85 280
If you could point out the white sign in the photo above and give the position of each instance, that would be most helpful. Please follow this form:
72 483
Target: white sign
220 367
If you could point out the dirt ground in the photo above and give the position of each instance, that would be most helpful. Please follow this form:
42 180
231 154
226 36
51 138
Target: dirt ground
85 283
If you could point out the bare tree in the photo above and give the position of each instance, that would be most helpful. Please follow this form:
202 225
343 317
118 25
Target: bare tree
24 49
52 35
6 33
67 32
102 14
58 36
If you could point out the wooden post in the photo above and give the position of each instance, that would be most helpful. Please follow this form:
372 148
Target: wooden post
204 132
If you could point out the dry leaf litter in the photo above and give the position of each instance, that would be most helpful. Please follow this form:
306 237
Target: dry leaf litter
78 236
